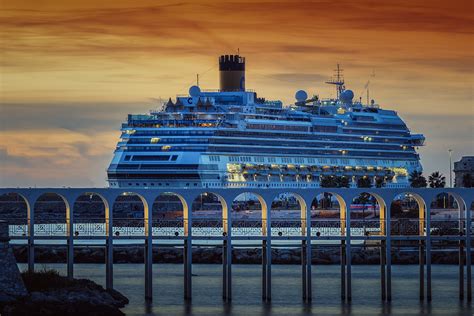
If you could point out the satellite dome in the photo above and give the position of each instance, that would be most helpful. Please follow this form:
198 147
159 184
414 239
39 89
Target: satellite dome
347 96
194 91
301 95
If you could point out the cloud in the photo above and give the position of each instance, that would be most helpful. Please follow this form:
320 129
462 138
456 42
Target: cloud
80 116
297 78
414 16
314 49
72 71
202 26
61 146
463 63
443 132
54 157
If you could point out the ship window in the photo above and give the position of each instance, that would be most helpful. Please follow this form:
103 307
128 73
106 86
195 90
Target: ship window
174 157
245 159
154 140
166 148
214 158
127 158
150 158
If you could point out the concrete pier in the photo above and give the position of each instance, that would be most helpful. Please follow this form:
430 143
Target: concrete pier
304 230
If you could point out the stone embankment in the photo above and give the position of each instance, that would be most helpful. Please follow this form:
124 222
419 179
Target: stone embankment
320 255
48 293
11 283
54 295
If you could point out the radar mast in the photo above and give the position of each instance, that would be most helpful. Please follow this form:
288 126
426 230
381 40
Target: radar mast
337 80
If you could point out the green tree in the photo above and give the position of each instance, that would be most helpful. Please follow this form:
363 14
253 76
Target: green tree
366 199
342 182
364 182
379 182
328 182
417 180
437 180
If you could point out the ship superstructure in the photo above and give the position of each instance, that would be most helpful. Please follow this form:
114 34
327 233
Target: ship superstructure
233 138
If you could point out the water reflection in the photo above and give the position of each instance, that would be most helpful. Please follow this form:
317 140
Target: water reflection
286 290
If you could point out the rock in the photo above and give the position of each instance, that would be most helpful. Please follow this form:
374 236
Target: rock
5 299
118 297
62 296
38 297
213 255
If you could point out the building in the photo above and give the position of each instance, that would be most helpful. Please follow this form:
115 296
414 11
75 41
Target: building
464 172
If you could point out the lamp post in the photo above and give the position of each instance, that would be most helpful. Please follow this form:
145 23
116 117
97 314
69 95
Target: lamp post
450 151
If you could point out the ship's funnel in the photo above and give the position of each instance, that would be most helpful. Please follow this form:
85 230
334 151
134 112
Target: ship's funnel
232 73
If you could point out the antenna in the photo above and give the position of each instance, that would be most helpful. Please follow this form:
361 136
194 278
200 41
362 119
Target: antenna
366 87
337 80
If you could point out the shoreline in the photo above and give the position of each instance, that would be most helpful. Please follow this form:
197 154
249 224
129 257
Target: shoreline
213 255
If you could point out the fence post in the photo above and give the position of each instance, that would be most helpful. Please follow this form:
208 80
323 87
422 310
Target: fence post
428 252
109 245
267 256
468 250
188 252
227 251
148 222
31 236
382 270
70 237
348 252
308 256
388 253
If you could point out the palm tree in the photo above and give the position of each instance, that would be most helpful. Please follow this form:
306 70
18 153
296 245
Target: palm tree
417 180
437 180
364 198
379 182
342 182
364 182
328 182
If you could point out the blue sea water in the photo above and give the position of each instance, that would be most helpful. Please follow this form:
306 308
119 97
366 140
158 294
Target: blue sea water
286 290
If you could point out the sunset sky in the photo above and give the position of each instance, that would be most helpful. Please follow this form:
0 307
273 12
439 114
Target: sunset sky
70 71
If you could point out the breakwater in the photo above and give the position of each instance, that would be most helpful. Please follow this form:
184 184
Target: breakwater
213 255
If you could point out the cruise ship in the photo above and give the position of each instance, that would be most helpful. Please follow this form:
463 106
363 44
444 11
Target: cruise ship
232 137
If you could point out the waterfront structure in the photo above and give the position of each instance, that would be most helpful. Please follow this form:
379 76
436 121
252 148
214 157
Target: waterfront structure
11 283
233 138
304 226
464 172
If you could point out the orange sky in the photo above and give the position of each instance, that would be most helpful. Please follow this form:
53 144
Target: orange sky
70 72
